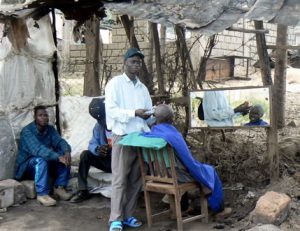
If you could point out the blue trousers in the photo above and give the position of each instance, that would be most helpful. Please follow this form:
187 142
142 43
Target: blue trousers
40 170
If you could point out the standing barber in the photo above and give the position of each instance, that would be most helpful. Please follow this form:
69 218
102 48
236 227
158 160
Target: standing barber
126 101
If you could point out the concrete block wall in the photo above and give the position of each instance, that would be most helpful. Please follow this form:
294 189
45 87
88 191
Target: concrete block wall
229 43
77 58
112 53
242 44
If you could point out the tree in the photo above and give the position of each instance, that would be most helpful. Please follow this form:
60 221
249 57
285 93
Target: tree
145 76
158 60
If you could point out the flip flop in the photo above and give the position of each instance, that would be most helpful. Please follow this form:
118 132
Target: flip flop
116 226
132 222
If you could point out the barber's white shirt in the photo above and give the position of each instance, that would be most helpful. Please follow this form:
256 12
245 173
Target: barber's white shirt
217 111
122 98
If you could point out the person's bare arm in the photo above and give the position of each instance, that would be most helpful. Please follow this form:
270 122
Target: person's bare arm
103 150
65 159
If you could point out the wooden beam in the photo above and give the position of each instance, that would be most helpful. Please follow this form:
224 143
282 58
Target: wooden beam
283 47
256 31
263 55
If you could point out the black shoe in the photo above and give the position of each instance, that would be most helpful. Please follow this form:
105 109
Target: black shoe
81 196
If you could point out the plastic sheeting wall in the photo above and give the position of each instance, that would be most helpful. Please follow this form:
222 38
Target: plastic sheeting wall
26 80
77 124
7 149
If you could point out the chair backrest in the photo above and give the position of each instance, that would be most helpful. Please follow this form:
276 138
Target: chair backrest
158 165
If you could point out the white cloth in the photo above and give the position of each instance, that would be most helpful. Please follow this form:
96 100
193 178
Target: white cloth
122 98
217 111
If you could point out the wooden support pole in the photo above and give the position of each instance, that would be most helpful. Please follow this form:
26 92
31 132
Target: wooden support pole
272 136
91 86
263 55
280 75
283 47
256 31
278 101
158 61
55 72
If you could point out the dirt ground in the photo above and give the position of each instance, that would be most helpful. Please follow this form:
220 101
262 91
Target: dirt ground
240 160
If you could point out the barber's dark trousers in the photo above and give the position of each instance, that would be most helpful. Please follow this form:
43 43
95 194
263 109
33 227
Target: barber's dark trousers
40 170
88 159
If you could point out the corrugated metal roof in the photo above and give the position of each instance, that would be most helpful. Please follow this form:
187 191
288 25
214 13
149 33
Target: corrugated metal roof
207 16
211 16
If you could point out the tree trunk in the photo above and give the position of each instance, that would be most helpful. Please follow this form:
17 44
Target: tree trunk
145 76
263 54
158 61
202 67
186 56
151 50
162 41
55 72
91 76
184 71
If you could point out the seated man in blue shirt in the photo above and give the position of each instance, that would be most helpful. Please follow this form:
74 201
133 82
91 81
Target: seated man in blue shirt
42 152
189 169
255 115
98 154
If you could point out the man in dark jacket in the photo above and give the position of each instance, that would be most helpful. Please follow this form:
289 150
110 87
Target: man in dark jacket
43 152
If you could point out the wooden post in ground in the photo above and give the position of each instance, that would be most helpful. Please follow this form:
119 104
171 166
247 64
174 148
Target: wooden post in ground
158 61
272 132
280 74
91 85
55 72
263 54
278 100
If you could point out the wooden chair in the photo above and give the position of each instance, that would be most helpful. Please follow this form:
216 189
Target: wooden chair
159 175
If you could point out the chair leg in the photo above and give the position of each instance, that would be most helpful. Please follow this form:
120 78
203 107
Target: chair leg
172 207
178 212
204 207
148 208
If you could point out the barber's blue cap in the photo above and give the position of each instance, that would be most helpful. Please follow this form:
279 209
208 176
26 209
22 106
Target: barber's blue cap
133 52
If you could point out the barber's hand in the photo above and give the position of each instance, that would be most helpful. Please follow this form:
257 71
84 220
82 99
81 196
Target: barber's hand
103 150
141 113
244 108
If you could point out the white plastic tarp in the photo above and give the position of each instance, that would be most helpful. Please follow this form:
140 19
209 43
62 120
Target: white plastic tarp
77 129
26 80
26 76
77 124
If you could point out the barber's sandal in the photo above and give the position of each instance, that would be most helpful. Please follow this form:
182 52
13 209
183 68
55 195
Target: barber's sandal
62 193
46 200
